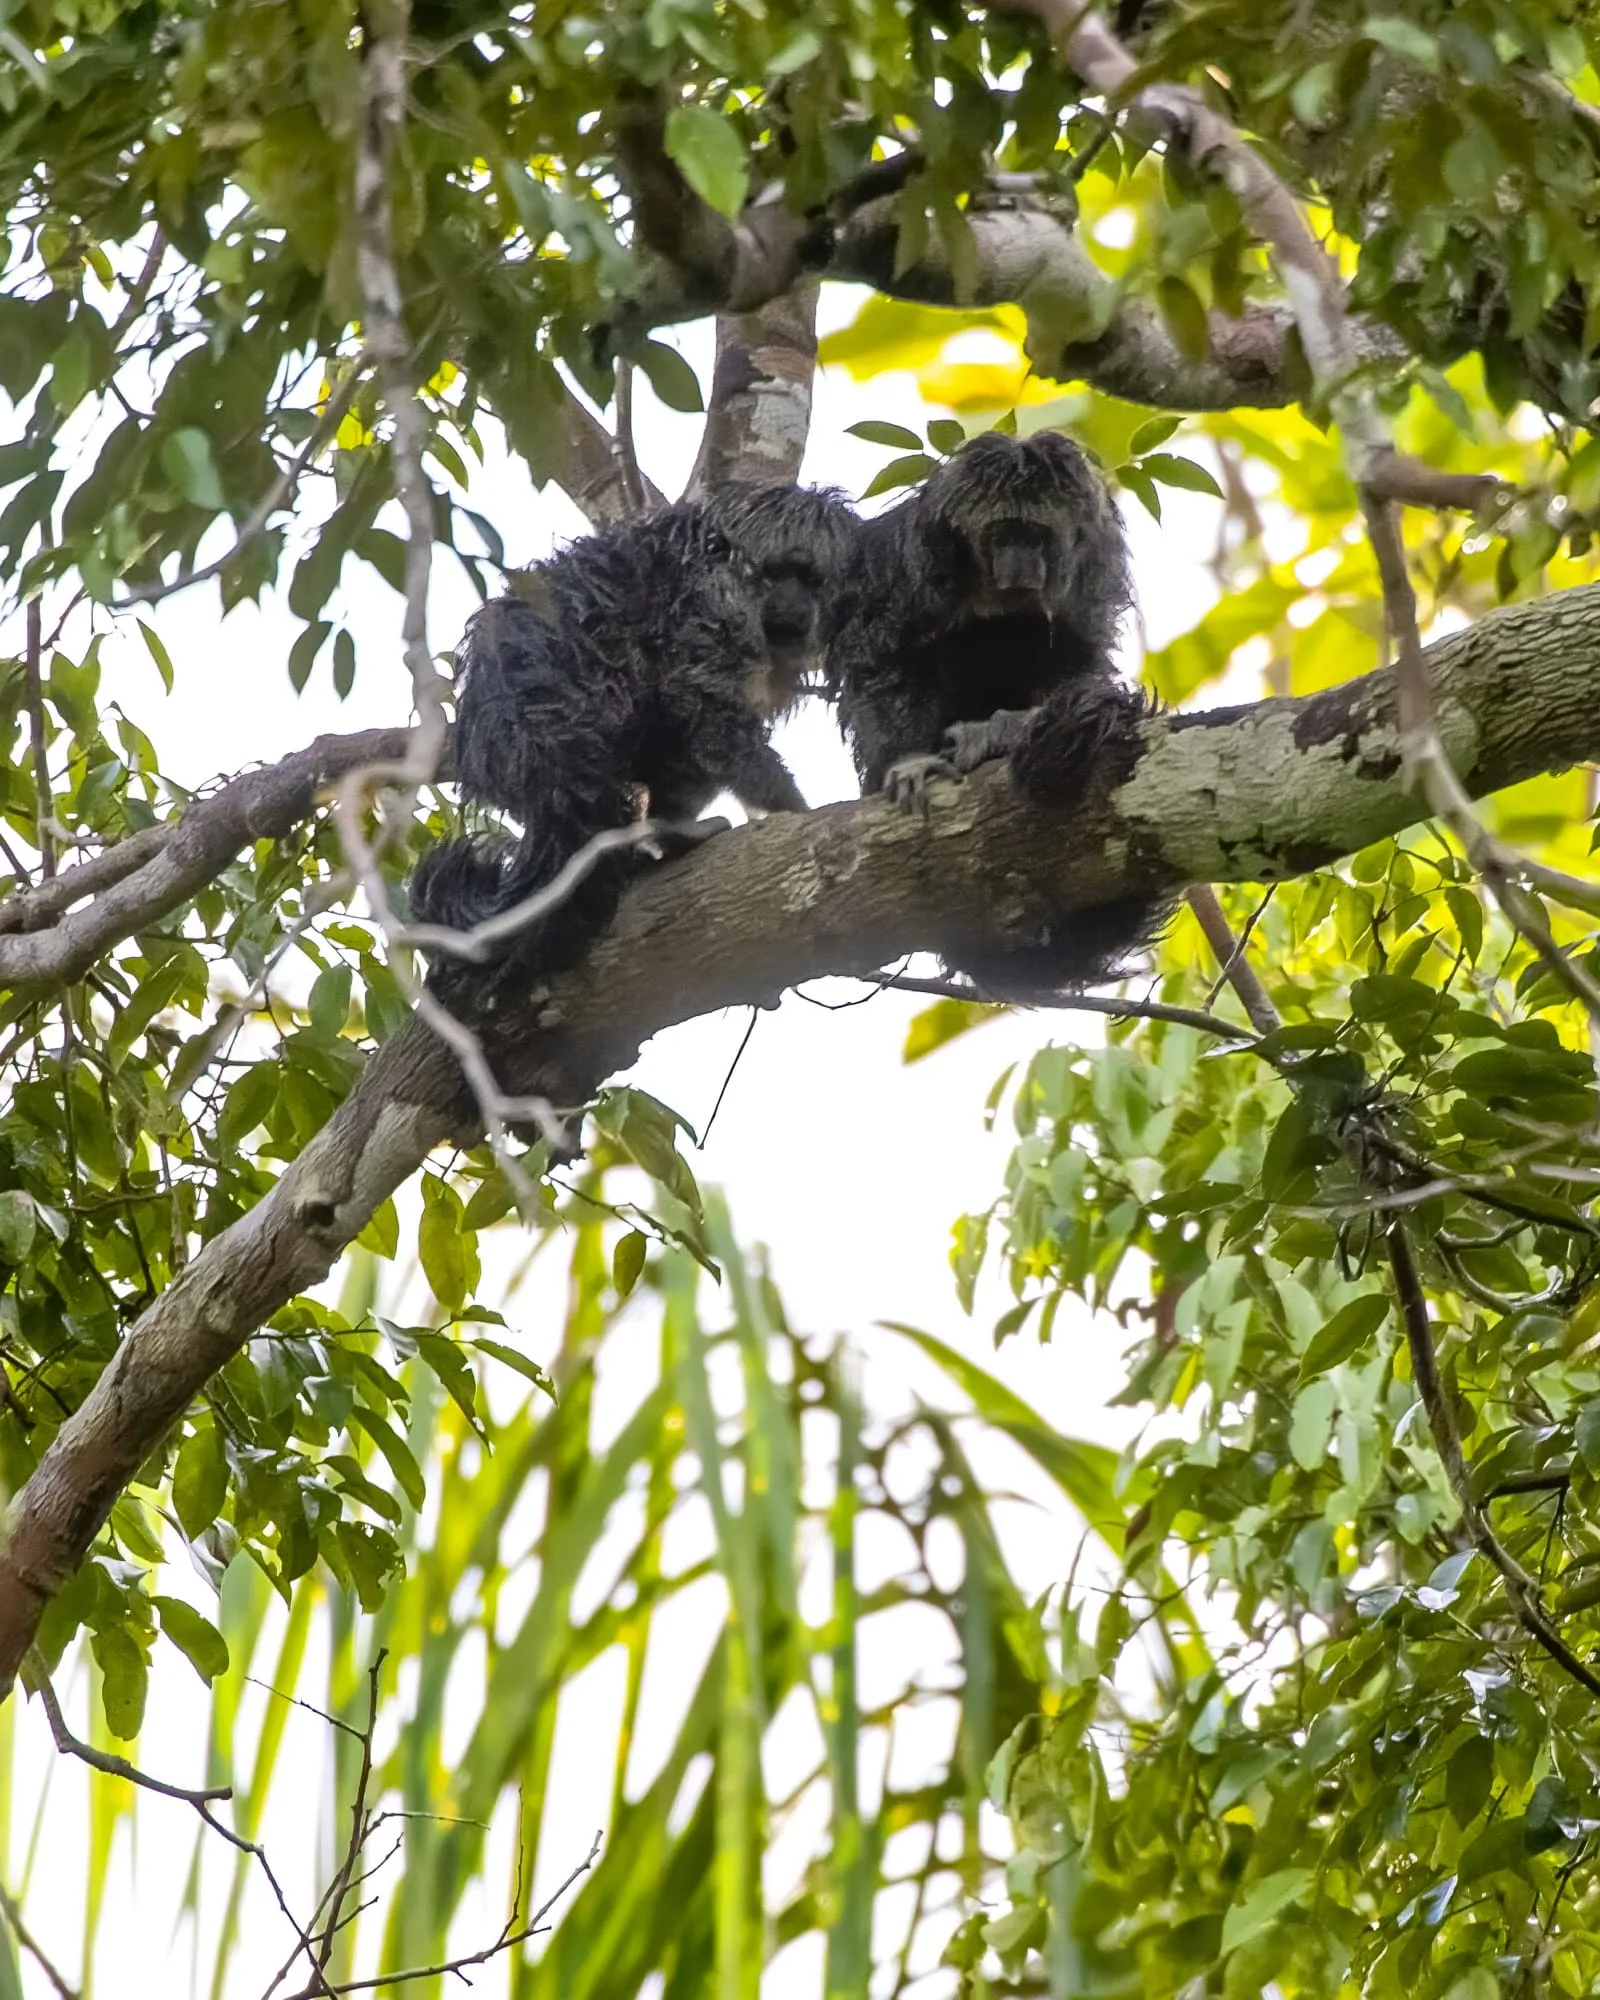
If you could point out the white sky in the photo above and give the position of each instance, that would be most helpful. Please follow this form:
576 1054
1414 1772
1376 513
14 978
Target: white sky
849 1166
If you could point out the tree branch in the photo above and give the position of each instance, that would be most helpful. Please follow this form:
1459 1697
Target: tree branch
759 413
143 879
1256 793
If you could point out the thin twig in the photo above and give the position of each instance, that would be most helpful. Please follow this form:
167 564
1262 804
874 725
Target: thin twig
43 812
1235 967
1521 1588
276 496
511 1936
333 1902
30 1944
108 1762
1075 1003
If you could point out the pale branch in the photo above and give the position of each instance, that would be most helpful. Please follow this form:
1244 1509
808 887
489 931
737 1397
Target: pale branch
278 495
383 66
384 53
1257 793
169 864
758 415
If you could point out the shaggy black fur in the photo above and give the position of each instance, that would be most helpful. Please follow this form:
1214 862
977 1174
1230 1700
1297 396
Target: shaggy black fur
638 671
978 622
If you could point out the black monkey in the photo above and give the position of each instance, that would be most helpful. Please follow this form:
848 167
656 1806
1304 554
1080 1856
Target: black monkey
637 671
978 622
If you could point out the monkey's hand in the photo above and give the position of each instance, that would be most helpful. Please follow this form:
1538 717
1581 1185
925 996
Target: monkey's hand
969 744
906 782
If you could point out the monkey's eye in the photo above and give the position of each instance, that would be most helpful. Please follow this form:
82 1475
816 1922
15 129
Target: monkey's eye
797 571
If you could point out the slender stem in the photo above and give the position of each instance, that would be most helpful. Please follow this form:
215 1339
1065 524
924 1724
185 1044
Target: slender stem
43 805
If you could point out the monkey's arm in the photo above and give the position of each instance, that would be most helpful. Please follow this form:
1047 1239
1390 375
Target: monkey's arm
894 724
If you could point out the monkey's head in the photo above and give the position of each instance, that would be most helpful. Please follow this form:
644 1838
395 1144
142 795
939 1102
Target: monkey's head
794 541
1026 525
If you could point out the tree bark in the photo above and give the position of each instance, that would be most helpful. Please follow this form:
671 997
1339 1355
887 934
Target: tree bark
1256 793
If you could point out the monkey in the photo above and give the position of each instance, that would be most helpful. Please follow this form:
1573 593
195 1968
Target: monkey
978 622
639 669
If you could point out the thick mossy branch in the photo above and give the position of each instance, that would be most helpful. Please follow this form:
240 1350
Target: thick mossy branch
1245 794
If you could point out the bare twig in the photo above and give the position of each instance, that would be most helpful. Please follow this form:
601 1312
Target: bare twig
30 1944
107 1761
333 1902
277 495
1235 967
169 863
1521 1588
1080 1003
43 809
511 1936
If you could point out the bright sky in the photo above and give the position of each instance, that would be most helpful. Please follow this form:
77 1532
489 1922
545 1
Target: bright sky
846 1164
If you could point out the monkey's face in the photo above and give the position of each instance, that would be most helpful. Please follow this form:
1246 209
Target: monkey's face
1026 523
792 614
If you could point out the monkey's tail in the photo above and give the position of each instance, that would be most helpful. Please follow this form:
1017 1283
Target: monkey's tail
460 882
1090 949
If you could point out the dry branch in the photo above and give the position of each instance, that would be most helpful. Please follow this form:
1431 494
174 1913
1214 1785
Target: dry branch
144 879
1248 794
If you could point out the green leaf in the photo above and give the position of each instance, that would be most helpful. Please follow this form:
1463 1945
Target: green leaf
1182 472
303 653
199 1479
941 1023
402 1462
900 472
328 1006
1351 1327
187 460
1256 1913
519 1363
1469 1779
447 1249
382 1232
1156 431
1185 317
18 1224
1311 1425
1402 38
126 1680
344 664
709 151
673 380
158 653
194 1636
627 1261
876 431
946 435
